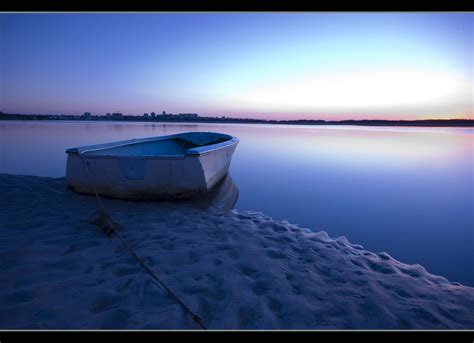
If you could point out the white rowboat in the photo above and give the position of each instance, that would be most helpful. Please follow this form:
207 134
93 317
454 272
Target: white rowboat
173 166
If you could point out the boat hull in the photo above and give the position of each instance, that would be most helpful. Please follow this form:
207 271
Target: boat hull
149 177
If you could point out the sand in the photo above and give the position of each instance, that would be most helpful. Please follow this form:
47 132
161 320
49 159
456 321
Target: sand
236 270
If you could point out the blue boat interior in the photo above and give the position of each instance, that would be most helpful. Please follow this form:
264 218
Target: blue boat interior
169 146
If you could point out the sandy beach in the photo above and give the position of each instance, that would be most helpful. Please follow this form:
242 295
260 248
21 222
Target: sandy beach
236 270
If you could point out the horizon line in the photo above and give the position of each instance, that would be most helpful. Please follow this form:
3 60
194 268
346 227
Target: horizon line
224 117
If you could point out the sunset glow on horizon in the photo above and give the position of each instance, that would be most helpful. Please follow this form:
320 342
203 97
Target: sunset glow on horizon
330 66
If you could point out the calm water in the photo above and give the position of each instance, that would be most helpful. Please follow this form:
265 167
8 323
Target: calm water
406 191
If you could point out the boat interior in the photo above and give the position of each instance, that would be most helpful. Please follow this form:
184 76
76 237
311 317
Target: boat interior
169 146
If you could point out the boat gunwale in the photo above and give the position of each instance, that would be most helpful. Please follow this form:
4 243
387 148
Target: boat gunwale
197 151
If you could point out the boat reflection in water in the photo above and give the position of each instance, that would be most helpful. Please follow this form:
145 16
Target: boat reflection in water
223 195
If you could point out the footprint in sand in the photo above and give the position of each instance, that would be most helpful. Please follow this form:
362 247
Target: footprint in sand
126 271
234 254
276 254
80 246
279 228
248 271
380 267
193 258
123 286
105 303
246 317
296 290
115 319
260 288
411 271
274 305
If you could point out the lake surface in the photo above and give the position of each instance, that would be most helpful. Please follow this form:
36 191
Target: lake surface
406 191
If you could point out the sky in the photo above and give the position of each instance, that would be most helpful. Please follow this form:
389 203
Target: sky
330 66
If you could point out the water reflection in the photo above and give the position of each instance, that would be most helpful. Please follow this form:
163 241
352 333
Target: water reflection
223 195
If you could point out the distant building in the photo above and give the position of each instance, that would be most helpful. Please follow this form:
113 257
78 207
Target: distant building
87 115
117 115
108 115
164 113
188 115
153 115
145 115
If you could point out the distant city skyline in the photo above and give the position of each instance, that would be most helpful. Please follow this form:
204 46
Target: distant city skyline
328 66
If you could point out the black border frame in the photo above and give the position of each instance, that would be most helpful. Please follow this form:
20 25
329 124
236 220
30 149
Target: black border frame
55 6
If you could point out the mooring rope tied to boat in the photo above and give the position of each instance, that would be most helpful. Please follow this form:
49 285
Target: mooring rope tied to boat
112 228
92 183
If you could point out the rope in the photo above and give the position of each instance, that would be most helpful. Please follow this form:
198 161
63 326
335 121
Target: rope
92 183
193 315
